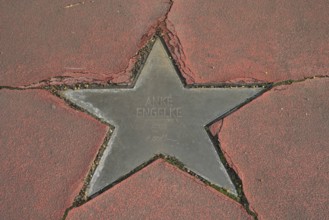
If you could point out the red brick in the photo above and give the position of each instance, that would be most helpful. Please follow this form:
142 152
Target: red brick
46 149
279 146
92 41
251 40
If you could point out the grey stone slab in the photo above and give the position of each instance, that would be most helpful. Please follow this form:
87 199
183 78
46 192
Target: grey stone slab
160 116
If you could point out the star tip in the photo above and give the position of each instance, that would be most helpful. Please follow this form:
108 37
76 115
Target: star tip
158 43
233 192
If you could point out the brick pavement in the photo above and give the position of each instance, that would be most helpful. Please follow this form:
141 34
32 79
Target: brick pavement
277 144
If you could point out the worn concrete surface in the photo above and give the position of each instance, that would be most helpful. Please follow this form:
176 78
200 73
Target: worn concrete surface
46 150
279 146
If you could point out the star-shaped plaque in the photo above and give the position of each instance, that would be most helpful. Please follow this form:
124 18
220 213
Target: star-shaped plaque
159 115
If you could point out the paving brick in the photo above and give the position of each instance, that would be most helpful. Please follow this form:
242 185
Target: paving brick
160 191
46 149
85 40
251 40
279 146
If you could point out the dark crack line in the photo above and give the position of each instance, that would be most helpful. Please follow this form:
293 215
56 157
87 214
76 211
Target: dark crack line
88 85
141 57
236 180
82 198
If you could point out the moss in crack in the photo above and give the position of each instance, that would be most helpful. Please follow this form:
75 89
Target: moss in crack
236 181
55 89
142 55
82 196
140 167
175 162
291 81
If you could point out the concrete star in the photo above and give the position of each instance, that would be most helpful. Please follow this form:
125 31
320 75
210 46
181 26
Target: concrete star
160 116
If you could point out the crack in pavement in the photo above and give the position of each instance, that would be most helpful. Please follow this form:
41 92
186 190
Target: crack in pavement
164 28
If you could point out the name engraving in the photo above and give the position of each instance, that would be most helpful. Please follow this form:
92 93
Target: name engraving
159 107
